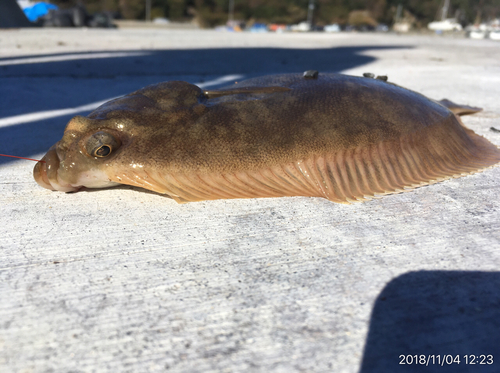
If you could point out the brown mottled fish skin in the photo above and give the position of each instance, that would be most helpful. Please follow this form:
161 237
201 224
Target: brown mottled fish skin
340 137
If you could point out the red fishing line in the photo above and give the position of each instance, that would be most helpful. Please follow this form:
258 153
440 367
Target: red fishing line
29 159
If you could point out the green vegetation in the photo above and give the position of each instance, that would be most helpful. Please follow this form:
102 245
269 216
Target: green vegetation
215 12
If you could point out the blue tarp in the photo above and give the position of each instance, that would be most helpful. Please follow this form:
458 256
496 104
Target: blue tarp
38 10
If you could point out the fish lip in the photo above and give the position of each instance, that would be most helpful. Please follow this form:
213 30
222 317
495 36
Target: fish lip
45 173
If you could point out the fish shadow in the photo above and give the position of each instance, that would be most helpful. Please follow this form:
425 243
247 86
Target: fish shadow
68 80
126 187
435 314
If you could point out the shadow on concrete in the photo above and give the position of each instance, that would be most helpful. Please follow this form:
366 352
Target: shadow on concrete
428 313
216 61
87 77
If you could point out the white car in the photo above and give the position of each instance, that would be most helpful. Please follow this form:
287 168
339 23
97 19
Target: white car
494 35
332 28
301 27
447 25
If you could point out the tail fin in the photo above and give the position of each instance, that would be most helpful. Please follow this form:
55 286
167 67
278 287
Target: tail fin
459 109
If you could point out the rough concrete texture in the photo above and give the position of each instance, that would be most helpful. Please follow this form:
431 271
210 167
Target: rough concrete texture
124 280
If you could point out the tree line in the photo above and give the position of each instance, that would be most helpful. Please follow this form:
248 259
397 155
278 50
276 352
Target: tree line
209 13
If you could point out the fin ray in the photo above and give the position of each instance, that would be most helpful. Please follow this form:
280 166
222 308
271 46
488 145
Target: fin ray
344 176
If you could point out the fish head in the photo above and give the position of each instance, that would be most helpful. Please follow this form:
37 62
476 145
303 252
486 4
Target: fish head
122 135
83 157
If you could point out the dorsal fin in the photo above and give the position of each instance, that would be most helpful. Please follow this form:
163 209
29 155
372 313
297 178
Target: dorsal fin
244 90
459 109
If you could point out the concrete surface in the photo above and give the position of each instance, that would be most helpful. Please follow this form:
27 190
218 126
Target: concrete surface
123 280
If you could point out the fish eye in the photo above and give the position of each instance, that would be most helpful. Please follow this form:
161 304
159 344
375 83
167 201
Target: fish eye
101 144
103 151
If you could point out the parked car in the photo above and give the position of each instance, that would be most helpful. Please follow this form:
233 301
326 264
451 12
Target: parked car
258 28
332 28
277 27
381 27
301 27
449 24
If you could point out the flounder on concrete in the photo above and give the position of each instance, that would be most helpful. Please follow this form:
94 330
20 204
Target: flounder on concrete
335 136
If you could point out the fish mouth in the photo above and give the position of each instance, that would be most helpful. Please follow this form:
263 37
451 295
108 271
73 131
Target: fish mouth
45 173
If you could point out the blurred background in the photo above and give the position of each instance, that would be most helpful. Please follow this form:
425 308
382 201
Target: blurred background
474 18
